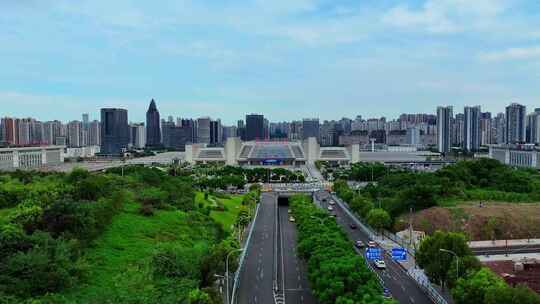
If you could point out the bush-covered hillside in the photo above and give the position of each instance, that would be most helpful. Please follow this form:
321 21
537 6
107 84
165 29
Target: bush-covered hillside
107 238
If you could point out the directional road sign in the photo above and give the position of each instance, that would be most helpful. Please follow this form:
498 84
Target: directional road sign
374 253
399 254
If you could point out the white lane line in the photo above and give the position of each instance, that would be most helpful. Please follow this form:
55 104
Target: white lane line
412 300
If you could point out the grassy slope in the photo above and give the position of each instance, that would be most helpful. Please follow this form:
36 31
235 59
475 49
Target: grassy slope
131 239
225 218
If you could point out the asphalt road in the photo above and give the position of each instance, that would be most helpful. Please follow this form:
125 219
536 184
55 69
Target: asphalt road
265 266
257 277
503 250
296 281
401 286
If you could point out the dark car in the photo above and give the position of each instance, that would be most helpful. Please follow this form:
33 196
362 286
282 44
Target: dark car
353 226
359 244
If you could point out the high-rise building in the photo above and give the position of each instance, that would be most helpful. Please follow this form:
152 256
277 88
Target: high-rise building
515 123
499 128
9 131
203 130
137 135
486 129
533 128
471 128
94 133
177 136
74 137
216 132
229 131
114 131
444 126
310 128
153 131
254 127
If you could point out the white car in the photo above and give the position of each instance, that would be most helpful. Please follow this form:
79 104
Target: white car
291 219
330 208
331 202
380 264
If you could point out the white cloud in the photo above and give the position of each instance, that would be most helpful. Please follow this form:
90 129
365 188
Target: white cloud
446 16
523 53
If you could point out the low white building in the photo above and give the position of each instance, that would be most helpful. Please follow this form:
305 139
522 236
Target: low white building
83 152
526 156
30 157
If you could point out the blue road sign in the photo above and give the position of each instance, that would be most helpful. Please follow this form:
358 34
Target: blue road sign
399 254
374 253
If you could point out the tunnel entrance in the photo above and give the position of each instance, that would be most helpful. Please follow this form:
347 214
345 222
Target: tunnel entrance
283 201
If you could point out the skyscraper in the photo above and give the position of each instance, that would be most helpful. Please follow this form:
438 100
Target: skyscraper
471 128
515 123
310 128
153 130
137 135
444 125
114 131
216 132
533 127
254 127
203 130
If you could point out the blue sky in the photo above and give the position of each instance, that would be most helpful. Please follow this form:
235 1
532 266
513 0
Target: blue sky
287 59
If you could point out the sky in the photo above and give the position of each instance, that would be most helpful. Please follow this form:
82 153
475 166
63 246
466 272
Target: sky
287 59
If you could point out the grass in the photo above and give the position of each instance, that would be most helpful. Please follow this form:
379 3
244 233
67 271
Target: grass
226 218
127 243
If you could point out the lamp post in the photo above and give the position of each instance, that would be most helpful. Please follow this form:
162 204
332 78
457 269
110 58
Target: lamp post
457 259
227 270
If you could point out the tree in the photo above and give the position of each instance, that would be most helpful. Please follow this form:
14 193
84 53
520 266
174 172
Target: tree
474 288
378 218
437 264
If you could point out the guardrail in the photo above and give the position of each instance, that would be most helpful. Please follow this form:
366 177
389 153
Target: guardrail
243 256
416 274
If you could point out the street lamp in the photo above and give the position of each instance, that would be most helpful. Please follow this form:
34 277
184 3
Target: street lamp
457 259
227 270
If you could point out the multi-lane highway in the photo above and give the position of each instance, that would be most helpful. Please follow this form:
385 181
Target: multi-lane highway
257 278
272 267
296 285
401 286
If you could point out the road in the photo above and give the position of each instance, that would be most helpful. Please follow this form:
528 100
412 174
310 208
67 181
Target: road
257 277
296 281
403 288
535 248
271 260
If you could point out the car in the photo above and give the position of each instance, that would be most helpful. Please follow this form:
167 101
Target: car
372 244
359 244
331 202
387 295
292 219
330 208
380 264
353 226
289 211
333 215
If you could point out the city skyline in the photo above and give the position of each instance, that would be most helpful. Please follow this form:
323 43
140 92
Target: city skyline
309 58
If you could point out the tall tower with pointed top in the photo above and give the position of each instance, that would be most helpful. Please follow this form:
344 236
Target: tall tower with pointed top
153 130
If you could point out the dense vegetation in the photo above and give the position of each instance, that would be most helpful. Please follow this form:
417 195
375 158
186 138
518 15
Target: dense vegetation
482 180
107 238
337 274
473 283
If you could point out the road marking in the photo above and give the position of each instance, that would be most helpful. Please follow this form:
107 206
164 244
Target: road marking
412 300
